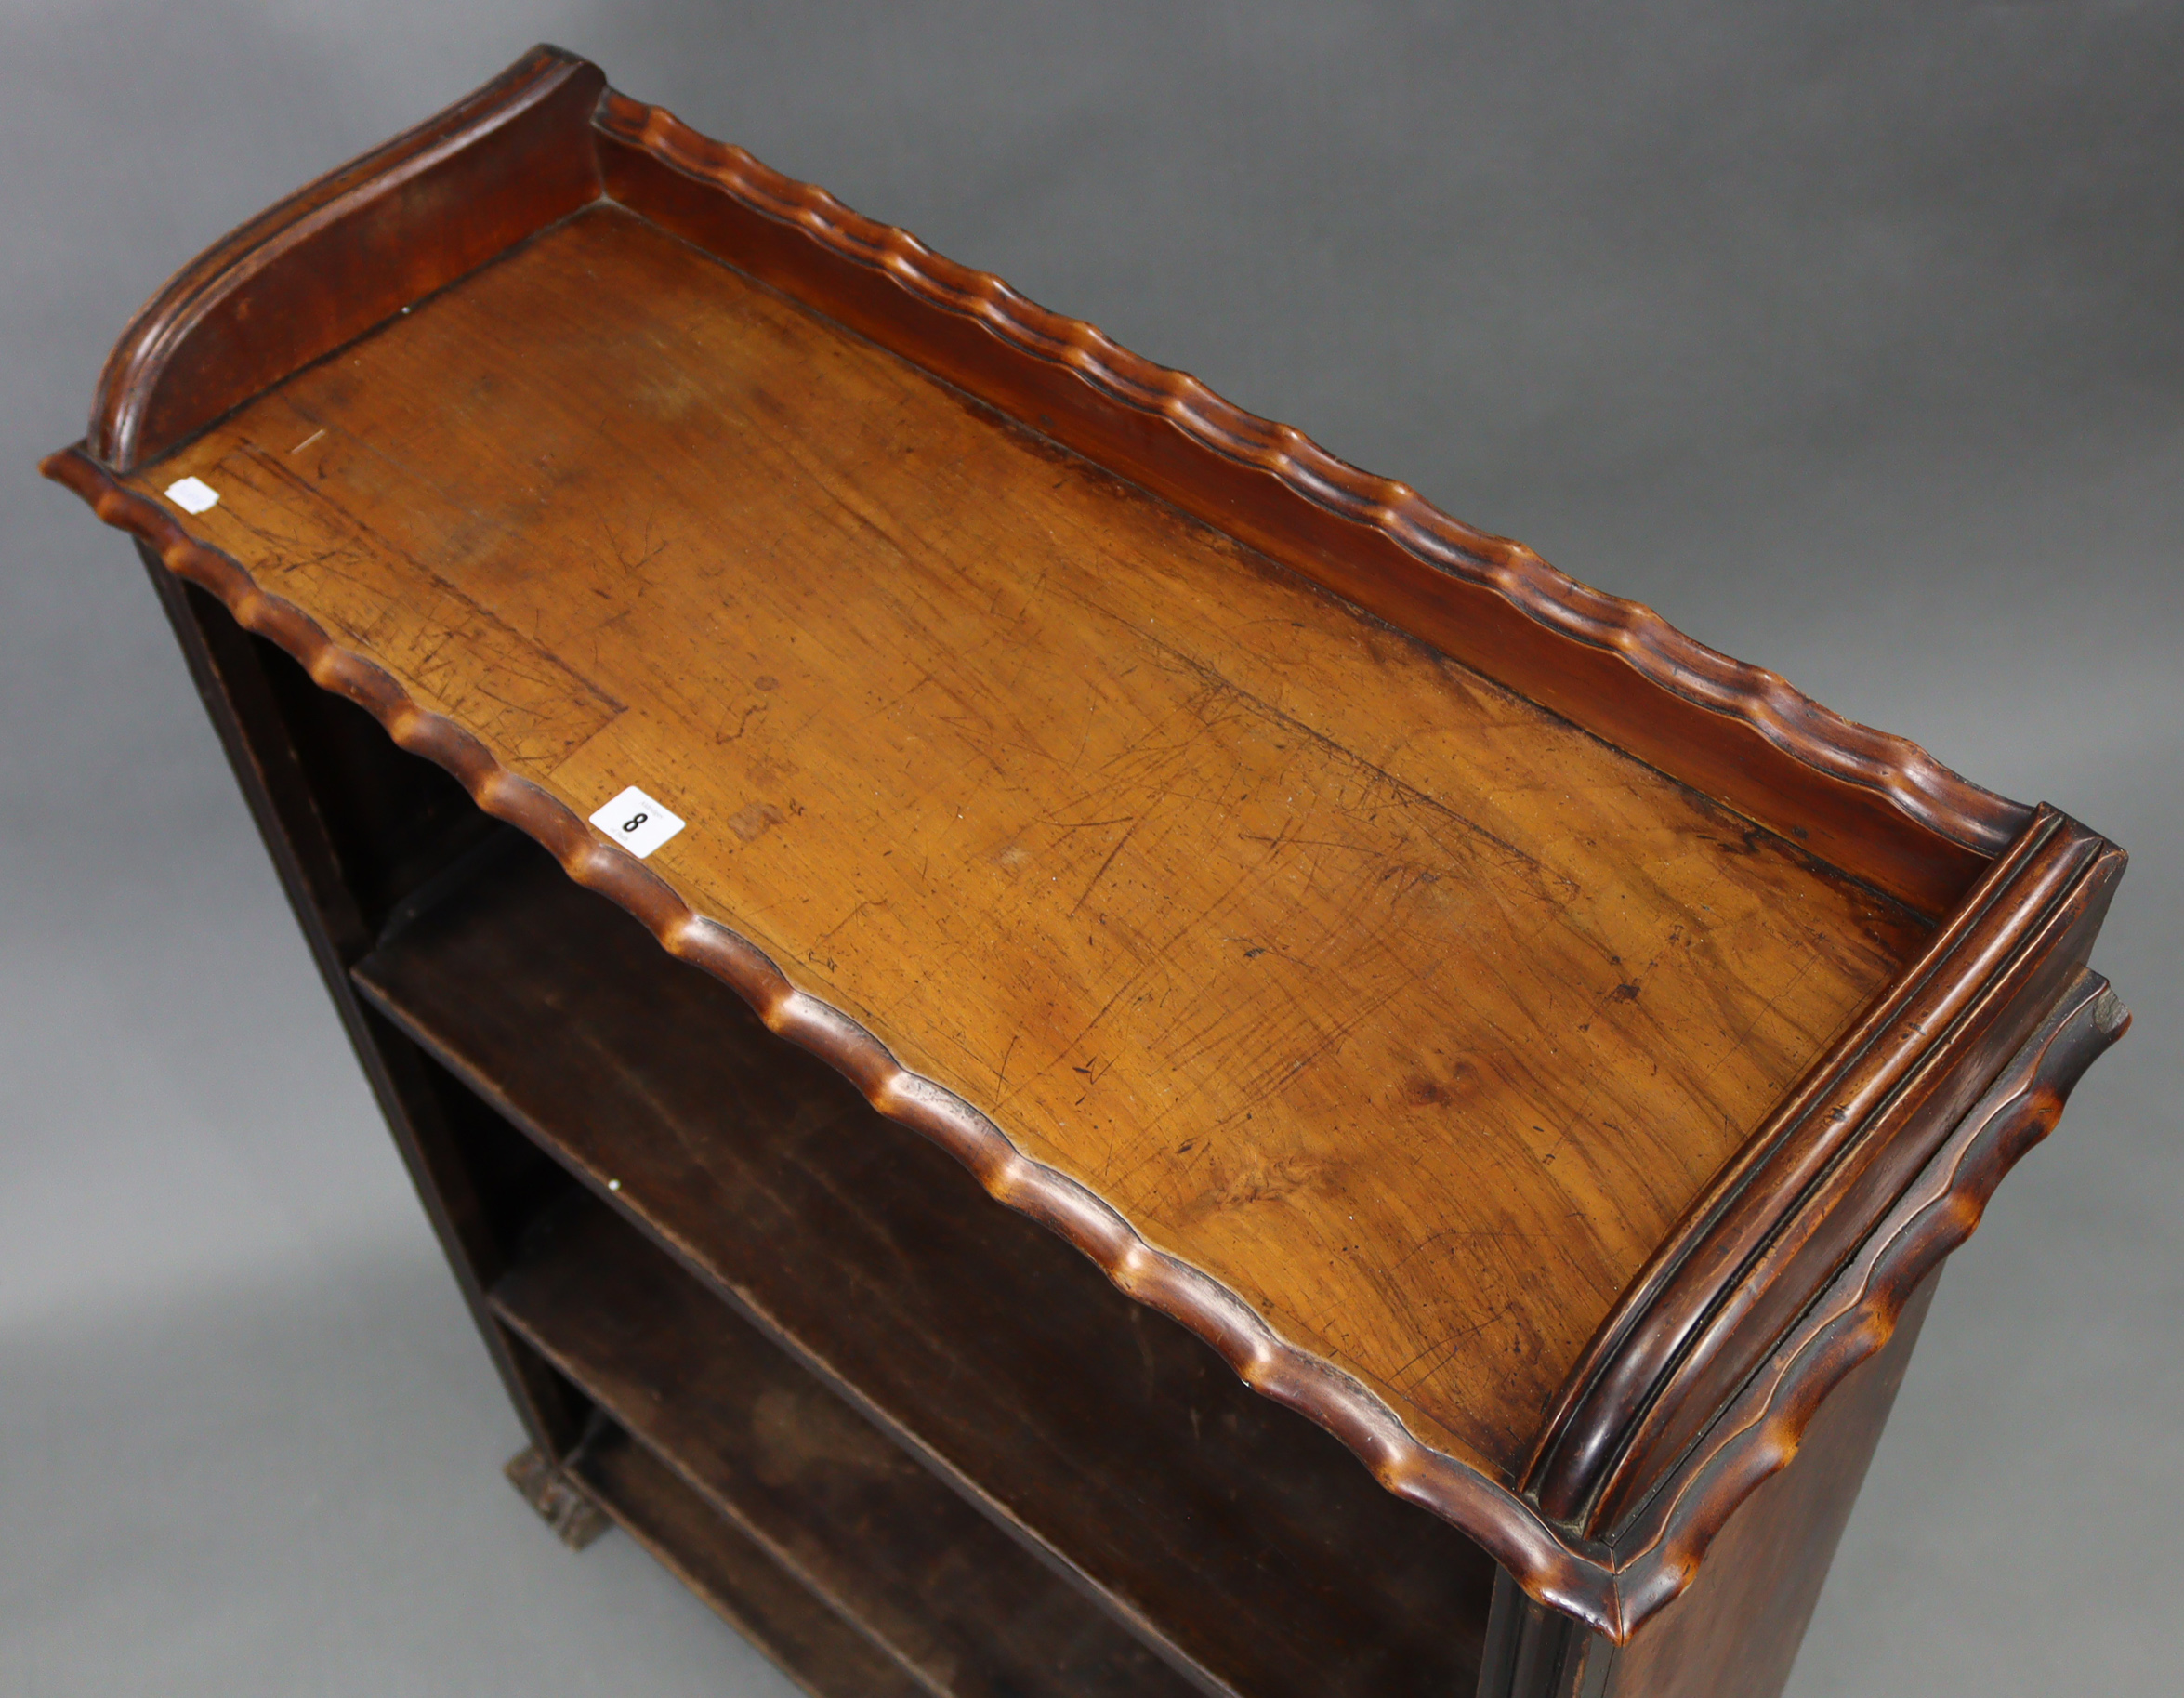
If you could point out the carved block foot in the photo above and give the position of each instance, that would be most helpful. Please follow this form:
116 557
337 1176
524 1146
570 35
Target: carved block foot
561 1503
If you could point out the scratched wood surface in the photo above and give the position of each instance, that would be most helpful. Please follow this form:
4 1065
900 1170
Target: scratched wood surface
1406 1010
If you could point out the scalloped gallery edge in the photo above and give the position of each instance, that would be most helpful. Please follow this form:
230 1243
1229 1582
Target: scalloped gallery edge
1614 1587
1613 1591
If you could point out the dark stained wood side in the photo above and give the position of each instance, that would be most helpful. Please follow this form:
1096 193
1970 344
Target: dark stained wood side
1825 1394
1228 1529
1536 1651
436 1128
1660 1547
353 827
1833 1216
963 1607
810 1642
1735 1633
352 248
1738 1628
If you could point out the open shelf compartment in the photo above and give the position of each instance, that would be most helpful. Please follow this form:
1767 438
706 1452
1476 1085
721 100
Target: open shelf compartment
963 1609
1247 1546
1550 1056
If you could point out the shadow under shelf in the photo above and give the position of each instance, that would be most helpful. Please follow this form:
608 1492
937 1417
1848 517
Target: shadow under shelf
1241 1543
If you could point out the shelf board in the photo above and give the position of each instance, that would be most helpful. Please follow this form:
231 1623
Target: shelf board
1405 1011
1232 1534
810 1642
1494 1023
967 1609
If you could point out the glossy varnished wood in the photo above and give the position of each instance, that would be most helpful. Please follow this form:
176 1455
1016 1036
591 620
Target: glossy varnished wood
1662 1544
1806 1189
1514 1095
1737 1629
1242 1542
333 259
1264 923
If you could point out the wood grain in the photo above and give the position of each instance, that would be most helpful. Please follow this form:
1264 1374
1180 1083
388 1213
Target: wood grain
1868 801
1660 1545
1737 1629
337 256
1474 911
1240 1540
1805 1189
1739 1626
1510 1527
1199 884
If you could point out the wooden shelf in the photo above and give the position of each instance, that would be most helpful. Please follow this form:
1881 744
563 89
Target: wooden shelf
961 1607
1100 1434
1248 947
826 1654
990 760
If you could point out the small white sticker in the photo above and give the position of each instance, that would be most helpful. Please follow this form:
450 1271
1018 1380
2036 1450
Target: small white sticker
636 821
194 495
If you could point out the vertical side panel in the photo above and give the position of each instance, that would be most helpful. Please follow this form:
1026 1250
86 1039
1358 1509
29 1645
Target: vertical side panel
1738 1628
1735 1633
1533 1651
423 1113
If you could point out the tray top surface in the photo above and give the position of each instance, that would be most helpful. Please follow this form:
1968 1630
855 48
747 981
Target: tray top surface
1408 1011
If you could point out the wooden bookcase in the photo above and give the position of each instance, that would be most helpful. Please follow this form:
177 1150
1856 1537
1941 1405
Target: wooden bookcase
1396 1138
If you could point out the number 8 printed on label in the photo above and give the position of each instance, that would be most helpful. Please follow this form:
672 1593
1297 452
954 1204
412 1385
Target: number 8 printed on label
637 821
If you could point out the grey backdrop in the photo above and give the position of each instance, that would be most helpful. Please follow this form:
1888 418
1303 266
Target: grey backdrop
1847 336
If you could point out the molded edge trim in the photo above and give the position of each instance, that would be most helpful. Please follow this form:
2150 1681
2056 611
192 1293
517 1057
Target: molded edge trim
1657 1554
1885 1094
1533 1652
540 107
1916 785
1569 1572
1581 1577
1570 1575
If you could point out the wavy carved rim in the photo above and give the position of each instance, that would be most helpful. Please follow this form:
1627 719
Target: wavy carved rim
1613 1589
1661 1334
1658 1554
1892 767
1452 1488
